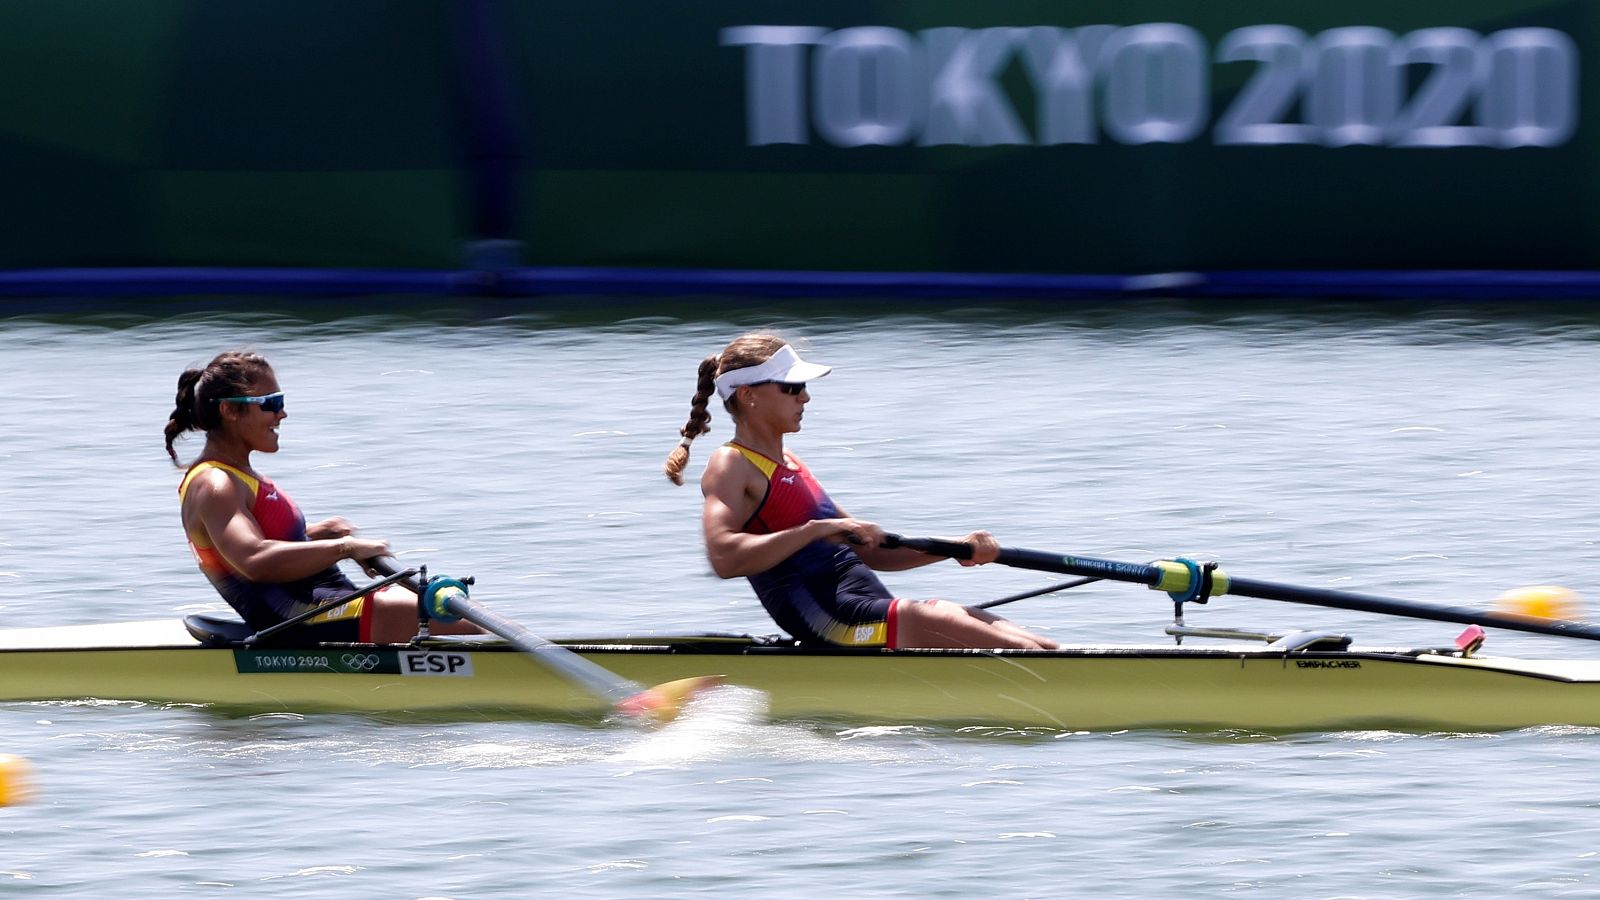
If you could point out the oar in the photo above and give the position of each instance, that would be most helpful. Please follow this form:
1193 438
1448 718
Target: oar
1185 580
447 598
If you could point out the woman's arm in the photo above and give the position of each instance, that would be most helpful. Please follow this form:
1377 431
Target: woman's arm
733 489
219 507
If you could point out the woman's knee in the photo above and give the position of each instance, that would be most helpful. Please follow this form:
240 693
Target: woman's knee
942 614
928 610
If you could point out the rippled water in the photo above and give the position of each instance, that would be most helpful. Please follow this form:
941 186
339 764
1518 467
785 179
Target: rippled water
1438 454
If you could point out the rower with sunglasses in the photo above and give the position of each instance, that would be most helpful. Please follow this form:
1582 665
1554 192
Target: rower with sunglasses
766 518
249 538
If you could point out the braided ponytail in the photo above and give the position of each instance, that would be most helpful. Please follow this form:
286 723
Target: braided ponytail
744 351
699 419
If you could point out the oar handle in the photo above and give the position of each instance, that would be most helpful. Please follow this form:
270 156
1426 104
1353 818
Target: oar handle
389 566
934 546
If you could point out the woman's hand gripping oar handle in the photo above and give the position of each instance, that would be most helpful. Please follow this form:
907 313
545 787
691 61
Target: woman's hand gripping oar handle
446 599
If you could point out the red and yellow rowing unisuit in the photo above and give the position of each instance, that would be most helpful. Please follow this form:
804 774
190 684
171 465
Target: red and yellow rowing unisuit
262 604
824 593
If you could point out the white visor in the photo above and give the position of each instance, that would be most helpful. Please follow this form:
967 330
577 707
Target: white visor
785 365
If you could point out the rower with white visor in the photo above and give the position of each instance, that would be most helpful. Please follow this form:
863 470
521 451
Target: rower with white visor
766 518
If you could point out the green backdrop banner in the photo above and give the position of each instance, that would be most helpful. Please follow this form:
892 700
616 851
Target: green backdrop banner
1085 137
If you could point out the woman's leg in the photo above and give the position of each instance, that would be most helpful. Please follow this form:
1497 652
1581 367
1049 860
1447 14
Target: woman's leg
937 624
1011 627
394 618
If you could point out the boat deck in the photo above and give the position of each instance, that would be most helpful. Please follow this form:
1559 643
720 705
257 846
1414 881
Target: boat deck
164 633
171 634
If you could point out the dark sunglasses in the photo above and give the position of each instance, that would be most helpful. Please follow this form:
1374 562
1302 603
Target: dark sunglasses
792 388
271 403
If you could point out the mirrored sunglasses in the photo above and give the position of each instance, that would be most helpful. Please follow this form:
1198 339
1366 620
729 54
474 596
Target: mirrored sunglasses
272 403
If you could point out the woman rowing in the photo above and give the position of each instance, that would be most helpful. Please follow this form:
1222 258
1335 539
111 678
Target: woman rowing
249 538
811 563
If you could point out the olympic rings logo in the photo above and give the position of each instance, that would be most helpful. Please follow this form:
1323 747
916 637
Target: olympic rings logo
360 662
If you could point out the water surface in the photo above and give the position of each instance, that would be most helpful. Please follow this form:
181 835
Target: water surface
1434 454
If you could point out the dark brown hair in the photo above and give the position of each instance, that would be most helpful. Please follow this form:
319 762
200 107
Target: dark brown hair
230 374
744 351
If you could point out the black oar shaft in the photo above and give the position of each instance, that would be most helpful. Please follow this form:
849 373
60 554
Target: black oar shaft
1036 560
1266 590
1168 576
1041 561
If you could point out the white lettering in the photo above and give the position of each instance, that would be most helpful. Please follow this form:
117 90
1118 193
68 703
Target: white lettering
1531 98
869 87
435 662
1156 84
775 97
1061 65
965 106
1433 117
1350 86
1258 115
1355 87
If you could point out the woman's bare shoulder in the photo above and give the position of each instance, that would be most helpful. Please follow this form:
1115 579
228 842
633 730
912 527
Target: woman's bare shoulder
728 467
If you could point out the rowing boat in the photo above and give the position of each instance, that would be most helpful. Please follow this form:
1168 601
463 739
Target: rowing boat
1248 680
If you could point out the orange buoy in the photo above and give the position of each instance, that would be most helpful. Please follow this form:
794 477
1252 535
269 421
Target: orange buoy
1540 601
16 780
